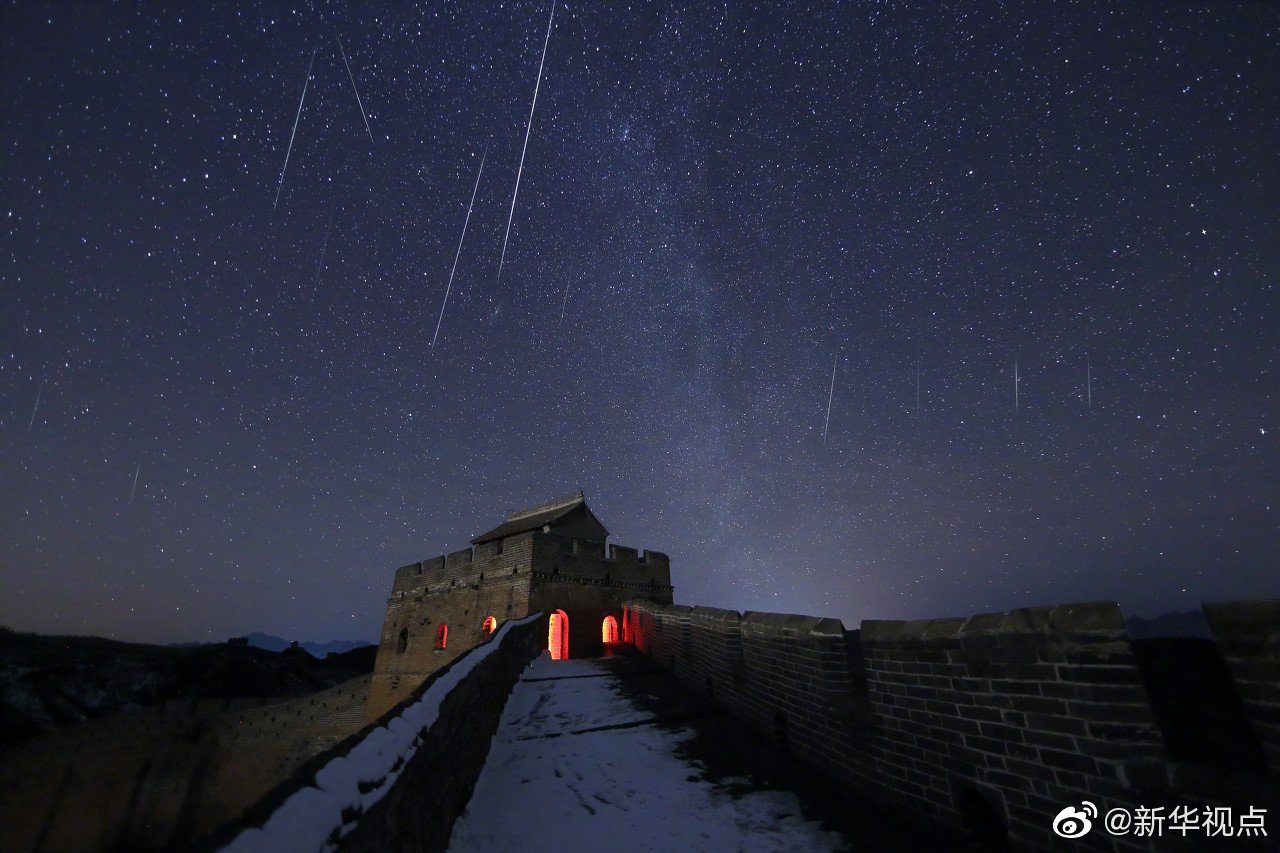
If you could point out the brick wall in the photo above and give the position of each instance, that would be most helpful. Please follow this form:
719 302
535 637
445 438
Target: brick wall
585 601
787 675
521 574
1248 633
1032 709
419 812
419 809
585 560
574 557
503 593
1015 714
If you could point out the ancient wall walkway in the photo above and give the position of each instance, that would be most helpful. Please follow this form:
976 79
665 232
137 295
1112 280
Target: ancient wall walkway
615 754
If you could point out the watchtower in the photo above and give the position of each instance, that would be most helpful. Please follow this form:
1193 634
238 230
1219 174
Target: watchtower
553 557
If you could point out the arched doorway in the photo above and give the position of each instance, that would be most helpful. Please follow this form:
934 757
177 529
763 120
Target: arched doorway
609 630
490 625
442 636
558 635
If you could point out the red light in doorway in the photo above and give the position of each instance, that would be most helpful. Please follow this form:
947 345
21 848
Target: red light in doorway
558 635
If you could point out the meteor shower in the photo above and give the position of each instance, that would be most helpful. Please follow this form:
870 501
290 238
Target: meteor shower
557 425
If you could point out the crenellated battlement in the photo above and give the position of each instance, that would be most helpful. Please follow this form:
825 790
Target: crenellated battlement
570 555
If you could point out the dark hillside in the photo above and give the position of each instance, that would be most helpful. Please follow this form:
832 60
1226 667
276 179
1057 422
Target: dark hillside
52 681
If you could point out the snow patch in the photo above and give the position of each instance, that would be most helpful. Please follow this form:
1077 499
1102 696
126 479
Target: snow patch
351 784
550 786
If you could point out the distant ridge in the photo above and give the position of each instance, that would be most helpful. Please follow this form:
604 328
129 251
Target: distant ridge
272 643
1192 623
47 682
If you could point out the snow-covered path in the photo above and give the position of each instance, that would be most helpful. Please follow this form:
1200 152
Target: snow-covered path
577 765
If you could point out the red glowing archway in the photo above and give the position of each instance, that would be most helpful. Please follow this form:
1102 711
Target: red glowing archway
442 636
490 625
609 630
558 635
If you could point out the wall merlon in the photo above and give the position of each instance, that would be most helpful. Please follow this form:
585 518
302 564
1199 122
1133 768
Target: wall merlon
1024 620
458 560
1072 621
983 623
722 619
585 548
406 578
890 631
1087 617
486 550
623 554
757 622
655 558
1255 622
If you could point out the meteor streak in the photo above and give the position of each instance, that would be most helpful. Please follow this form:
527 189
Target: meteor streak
353 86
1088 381
458 253
296 119
831 392
564 302
1016 380
527 127
36 407
136 472
917 386
324 247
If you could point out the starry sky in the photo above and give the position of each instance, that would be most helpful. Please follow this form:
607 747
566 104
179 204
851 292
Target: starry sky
771 270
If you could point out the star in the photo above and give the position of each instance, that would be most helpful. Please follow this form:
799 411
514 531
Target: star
714 201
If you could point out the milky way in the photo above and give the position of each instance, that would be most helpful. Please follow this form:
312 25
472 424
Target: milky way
735 193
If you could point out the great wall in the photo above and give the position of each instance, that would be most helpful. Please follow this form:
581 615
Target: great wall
987 725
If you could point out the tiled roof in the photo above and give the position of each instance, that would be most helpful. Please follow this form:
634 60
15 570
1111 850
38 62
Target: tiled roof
533 518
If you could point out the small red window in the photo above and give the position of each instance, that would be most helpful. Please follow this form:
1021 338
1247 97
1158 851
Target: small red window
442 635
490 625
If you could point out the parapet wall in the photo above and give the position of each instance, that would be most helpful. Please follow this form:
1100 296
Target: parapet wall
400 783
409 651
465 567
1051 695
1248 633
1015 714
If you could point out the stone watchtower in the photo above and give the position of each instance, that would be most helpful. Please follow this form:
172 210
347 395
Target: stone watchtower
548 558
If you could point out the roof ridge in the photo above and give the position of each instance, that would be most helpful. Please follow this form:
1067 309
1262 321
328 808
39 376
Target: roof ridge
568 500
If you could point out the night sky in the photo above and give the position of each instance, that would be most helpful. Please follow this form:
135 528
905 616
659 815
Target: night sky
220 414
